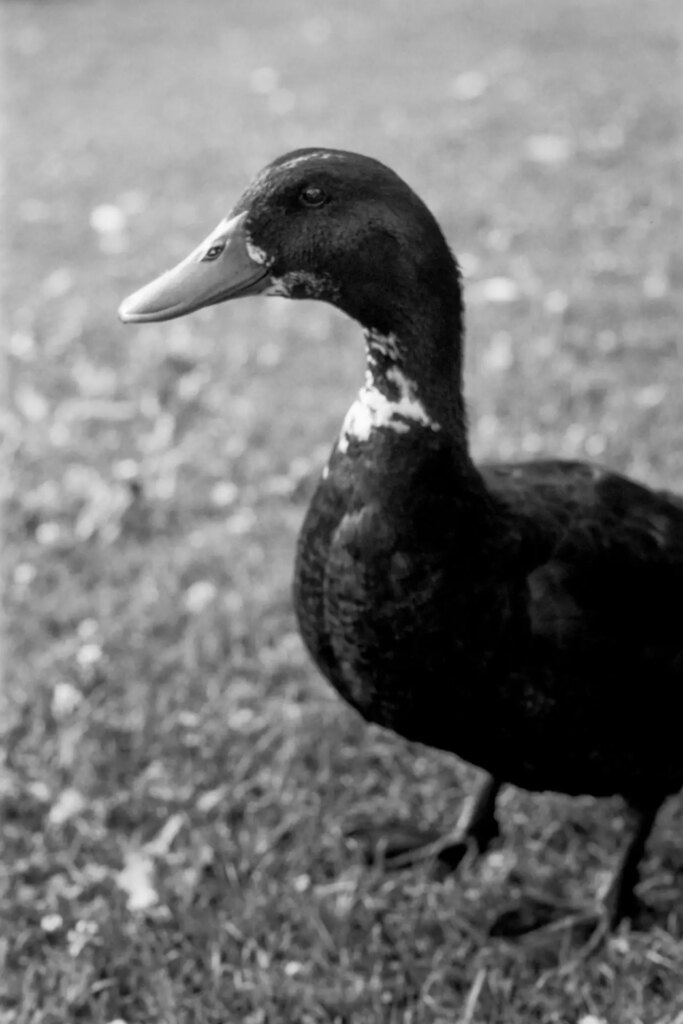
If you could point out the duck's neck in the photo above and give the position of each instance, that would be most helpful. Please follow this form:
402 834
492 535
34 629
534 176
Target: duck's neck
413 382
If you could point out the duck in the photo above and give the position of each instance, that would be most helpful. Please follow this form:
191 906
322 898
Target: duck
526 617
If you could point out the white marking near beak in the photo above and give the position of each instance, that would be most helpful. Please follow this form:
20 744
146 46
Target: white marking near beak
255 253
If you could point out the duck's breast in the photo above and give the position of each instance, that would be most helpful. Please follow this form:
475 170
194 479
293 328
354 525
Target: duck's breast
397 605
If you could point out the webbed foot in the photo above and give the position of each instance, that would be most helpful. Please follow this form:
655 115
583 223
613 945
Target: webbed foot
402 845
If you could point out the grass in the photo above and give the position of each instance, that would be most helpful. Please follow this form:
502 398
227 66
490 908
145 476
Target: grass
178 782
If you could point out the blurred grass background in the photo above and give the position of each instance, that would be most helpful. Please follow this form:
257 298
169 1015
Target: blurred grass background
177 780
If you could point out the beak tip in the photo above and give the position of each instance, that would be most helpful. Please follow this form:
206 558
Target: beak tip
131 311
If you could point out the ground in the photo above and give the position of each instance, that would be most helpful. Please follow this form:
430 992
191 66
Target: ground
178 784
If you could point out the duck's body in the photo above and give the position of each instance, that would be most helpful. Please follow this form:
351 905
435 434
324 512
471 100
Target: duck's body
527 617
501 631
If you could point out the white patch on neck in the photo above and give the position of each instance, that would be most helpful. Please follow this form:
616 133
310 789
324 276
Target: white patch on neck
385 345
373 409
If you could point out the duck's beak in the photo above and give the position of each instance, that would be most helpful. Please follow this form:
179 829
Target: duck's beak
225 266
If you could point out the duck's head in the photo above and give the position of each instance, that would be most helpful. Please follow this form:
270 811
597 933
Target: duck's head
318 224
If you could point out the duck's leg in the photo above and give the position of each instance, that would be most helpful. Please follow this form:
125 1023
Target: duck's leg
620 900
618 903
401 847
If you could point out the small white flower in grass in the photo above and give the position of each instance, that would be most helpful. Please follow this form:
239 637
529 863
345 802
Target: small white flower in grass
655 285
126 470
498 867
107 219
31 403
199 596
24 574
223 493
88 655
80 935
487 426
65 699
48 534
495 289
22 346
136 879
39 791
595 445
650 396
109 223
290 711
241 522
241 719
188 719
87 629
51 923
70 803
548 149
257 1017
293 967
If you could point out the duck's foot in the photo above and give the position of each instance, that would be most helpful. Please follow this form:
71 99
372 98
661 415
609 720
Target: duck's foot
531 914
591 926
402 845
588 927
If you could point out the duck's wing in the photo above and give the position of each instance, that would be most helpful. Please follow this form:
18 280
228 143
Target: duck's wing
602 557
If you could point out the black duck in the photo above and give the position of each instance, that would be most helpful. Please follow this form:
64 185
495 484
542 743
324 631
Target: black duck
528 616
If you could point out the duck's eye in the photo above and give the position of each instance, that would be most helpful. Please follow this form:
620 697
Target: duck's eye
312 195
214 252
